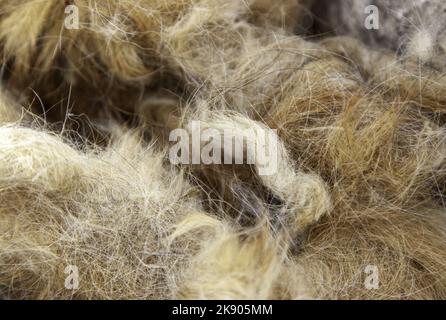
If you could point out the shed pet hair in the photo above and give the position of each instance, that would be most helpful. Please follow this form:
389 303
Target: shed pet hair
86 182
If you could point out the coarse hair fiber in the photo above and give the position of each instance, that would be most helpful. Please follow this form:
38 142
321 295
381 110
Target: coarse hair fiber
355 209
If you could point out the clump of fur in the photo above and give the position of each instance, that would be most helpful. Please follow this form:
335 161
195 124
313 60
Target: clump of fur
130 224
116 58
357 119
220 270
107 62
105 213
360 179
399 25
304 195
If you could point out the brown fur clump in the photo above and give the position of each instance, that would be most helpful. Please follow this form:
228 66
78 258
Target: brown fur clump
110 59
382 154
118 216
132 226
360 179
99 213
118 55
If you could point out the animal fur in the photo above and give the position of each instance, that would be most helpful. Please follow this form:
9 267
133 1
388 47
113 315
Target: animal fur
416 27
361 160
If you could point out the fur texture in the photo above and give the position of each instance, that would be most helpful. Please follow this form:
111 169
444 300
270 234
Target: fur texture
416 27
361 156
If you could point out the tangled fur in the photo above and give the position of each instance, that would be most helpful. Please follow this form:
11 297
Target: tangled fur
360 180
